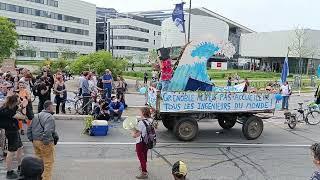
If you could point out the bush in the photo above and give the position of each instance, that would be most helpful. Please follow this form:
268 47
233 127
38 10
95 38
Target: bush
99 62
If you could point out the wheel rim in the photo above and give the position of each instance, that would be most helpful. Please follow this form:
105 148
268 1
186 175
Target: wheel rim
313 118
254 129
186 130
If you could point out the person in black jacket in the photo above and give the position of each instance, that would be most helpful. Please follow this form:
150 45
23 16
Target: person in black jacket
317 95
8 111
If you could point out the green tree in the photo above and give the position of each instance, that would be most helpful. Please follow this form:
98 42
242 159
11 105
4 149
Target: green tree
99 62
8 38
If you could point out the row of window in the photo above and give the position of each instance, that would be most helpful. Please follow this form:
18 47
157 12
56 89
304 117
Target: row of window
41 13
131 38
130 27
130 48
54 40
47 54
30 53
37 25
46 2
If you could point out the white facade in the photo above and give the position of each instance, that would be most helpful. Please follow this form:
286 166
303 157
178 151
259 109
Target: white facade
48 30
275 44
201 26
143 37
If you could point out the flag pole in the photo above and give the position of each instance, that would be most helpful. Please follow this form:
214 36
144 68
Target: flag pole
189 26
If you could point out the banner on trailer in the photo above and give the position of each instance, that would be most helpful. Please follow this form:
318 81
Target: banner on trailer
215 102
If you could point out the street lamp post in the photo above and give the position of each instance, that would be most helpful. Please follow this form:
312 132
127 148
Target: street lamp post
189 24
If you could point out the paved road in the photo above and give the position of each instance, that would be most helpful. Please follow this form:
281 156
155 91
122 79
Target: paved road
280 153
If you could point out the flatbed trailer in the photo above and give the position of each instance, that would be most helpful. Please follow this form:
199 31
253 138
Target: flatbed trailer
180 112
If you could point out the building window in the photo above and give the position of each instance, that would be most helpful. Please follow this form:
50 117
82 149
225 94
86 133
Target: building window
130 48
130 27
154 42
54 40
131 38
41 13
26 53
46 54
154 33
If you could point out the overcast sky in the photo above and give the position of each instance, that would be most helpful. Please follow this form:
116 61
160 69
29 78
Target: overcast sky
259 15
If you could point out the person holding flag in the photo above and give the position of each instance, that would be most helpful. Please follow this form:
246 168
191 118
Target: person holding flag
285 89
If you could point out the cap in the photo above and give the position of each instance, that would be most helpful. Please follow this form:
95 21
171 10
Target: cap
31 167
179 168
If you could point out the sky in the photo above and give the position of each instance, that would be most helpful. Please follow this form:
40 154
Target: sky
259 15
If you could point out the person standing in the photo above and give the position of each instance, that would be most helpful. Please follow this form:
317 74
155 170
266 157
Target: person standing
61 94
81 79
145 77
44 93
246 85
285 91
141 147
8 112
107 84
229 82
317 95
42 133
86 93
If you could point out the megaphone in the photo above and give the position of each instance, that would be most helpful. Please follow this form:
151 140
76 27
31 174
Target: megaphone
130 123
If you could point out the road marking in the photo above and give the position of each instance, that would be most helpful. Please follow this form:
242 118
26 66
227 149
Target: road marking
199 144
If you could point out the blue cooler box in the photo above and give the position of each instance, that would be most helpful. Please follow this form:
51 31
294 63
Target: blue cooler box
99 128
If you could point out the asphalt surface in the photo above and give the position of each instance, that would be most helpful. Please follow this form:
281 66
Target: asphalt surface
279 153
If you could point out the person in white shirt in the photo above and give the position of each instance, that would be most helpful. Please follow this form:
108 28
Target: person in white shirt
285 90
81 79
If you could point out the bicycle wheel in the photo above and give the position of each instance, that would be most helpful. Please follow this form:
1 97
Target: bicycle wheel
78 106
292 122
313 117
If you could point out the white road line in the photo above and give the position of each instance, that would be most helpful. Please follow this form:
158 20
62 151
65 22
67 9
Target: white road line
191 144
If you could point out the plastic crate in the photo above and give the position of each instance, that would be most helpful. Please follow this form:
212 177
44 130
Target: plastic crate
99 130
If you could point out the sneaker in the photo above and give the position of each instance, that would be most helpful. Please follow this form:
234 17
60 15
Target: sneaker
12 175
142 176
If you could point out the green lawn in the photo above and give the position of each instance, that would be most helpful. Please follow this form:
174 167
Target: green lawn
31 62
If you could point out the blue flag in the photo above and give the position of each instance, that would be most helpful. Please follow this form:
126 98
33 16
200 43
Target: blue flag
318 71
178 17
285 70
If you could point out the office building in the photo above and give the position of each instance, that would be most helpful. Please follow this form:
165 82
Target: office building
48 27
130 35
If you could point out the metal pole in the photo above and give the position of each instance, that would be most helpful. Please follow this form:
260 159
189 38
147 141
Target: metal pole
189 27
109 39
105 32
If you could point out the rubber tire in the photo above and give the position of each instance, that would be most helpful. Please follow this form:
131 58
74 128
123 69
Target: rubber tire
227 121
294 124
168 123
307 119
246 127
78 106
186 121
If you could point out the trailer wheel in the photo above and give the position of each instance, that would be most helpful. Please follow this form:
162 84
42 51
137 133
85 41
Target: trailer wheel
252 128
168 123
186 129
227 121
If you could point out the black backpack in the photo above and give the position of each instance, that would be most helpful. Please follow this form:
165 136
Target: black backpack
150 139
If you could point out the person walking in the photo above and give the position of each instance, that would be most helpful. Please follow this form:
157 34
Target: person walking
8 112
42 133
107 84
145 77
61 94
86 93
285 91
317 95
141 147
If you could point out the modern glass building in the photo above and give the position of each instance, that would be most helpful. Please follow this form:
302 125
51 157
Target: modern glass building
48 27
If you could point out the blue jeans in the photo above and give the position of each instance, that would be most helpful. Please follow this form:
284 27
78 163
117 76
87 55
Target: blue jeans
164 85
107 93
285 102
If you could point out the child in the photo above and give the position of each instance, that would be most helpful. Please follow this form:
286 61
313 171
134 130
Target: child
141 148
315 150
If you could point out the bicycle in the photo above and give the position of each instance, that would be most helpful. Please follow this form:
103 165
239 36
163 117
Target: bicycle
79 108
309 115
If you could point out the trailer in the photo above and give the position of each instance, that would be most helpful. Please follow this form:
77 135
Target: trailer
180 112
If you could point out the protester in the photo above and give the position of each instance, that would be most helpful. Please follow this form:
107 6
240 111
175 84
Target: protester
31 168
145 77
315 151
285 91
107 84
61 94
141 148
42 133
246 85
8 113
179 170
24 94
101 112
44 92
116 109
81 79
120 88
317 95
86 93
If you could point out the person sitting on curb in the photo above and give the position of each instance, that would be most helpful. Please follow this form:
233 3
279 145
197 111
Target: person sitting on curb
31 169
116 109
179 170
